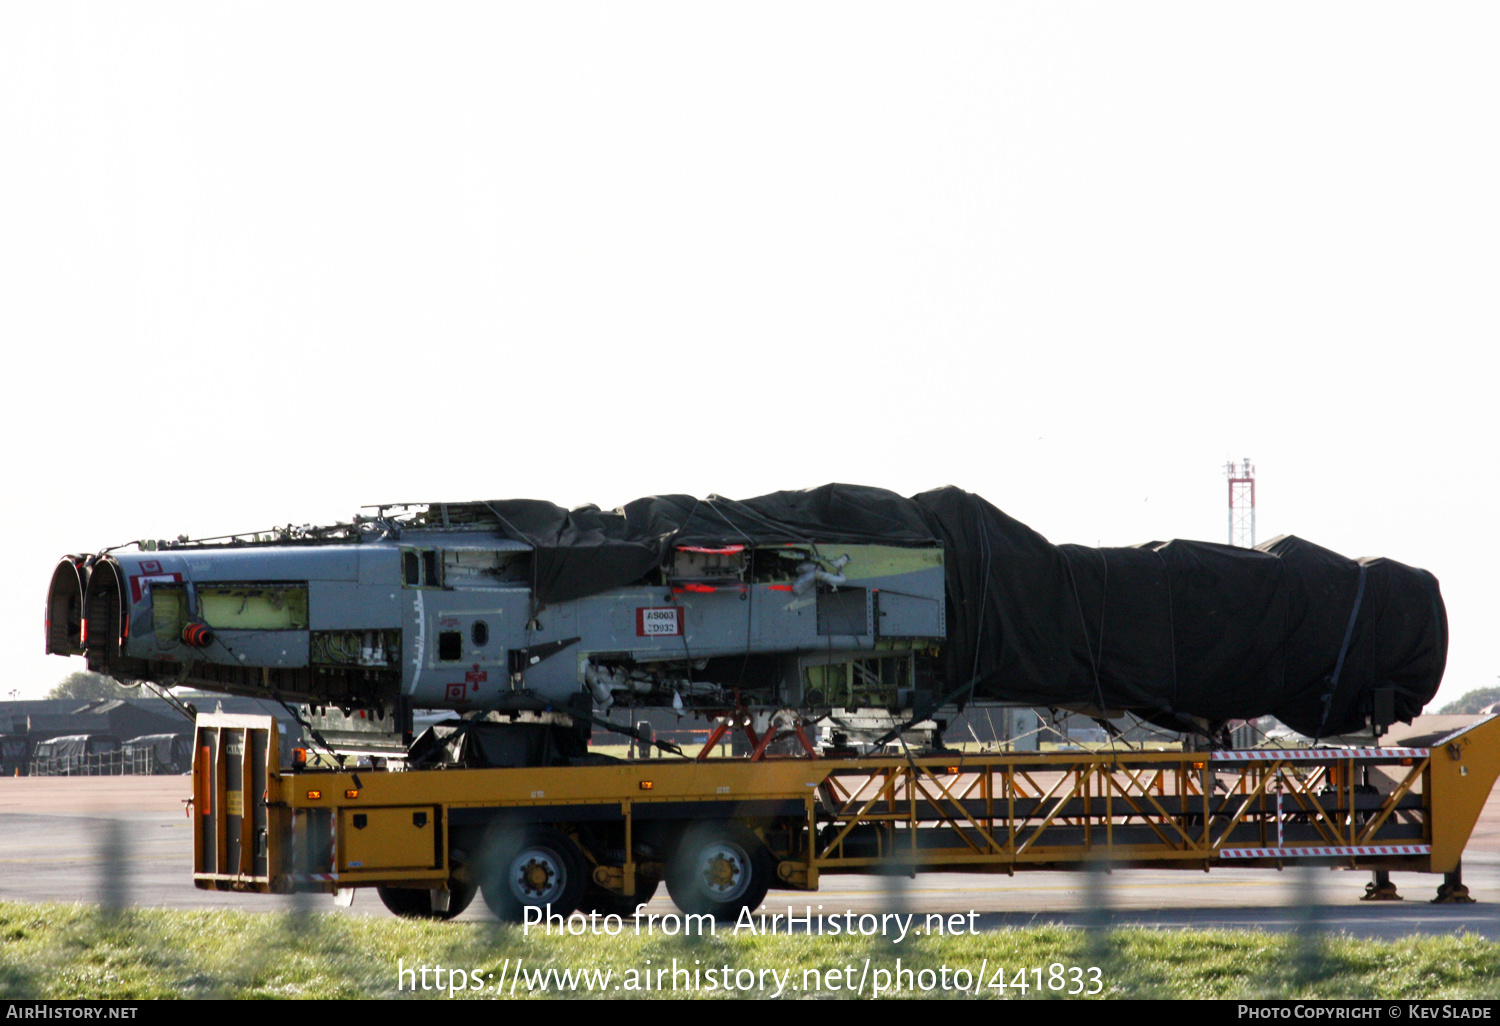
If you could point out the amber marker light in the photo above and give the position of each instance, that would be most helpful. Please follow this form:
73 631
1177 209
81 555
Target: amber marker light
205 784
353 792
313 796
646 785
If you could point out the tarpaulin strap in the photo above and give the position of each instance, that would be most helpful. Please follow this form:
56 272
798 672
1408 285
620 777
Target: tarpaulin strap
1084 622
984 597
1166 574
1338 666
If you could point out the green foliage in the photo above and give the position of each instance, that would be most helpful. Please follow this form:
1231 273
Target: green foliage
86 686
71 952
1471 703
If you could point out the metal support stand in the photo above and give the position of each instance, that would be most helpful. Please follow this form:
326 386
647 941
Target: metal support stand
1380 887
1453 891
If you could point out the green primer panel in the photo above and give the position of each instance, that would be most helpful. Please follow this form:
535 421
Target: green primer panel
867 561
254 607
168 613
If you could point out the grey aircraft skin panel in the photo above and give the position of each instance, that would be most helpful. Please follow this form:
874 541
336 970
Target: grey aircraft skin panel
446 619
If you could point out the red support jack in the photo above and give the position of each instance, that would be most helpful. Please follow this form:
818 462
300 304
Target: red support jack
758 742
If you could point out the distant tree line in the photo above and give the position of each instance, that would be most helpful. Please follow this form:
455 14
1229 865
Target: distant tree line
1472 702
85 686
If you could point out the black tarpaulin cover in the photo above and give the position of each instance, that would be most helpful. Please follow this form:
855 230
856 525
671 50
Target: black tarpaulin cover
1170 629
588 550
172 753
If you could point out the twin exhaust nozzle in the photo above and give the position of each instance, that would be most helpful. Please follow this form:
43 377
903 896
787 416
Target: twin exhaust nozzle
197 635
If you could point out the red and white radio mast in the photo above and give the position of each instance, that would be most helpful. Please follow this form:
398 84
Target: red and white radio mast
1241 503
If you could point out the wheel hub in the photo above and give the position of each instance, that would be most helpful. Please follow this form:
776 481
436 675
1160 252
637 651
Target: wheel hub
536 876
724 870
721 873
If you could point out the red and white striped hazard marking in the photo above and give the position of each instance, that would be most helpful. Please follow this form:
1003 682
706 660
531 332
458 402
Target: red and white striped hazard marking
1309 754
1337 852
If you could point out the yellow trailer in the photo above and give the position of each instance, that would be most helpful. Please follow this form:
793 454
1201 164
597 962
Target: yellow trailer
721 832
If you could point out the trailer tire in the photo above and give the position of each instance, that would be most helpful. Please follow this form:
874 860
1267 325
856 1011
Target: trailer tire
719 869
416 903
532 867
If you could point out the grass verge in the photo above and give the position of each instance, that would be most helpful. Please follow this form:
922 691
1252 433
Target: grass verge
71 951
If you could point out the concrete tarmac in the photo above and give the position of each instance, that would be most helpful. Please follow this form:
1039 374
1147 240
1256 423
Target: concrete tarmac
127 840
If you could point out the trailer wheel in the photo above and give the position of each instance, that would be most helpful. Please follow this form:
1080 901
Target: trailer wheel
532 867
416 903
719 869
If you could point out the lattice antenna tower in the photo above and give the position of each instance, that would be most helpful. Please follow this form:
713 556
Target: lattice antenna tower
1241 503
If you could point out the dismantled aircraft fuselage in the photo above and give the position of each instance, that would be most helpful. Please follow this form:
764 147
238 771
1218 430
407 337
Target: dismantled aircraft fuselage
839 597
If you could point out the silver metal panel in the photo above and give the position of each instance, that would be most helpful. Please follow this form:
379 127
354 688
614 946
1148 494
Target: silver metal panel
902 615
321 563
844 612
262 648
379 564
782 620
340 606
483 671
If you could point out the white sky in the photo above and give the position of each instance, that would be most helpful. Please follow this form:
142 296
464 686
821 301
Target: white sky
265 263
